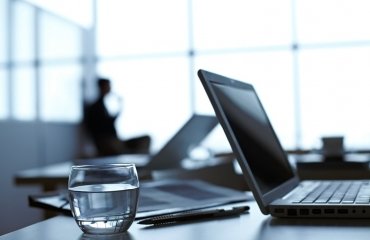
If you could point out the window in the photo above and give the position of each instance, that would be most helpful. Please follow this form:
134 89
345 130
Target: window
4 110
43 76
155 95
59 40
321 22
335 94
76 12
61 93
240 24
3 30
142 27
23 32
143 47
294 52
334 61
24 93
4 80
60 86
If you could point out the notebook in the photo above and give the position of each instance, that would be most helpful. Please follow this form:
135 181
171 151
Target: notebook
172 153
273 181
159 197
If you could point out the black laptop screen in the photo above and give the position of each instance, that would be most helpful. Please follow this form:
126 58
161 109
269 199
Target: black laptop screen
255 136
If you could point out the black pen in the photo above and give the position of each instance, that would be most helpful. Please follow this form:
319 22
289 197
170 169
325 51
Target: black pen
194 215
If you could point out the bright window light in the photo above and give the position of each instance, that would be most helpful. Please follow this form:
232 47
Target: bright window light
235 24
3 31
24 94
296 54
79 12
23 29
59 39
155 95
4 110
335 94
142 27
332 21
61 93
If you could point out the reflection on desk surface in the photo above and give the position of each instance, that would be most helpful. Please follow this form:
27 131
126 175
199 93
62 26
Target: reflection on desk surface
334 222
302 229
252 226
122 236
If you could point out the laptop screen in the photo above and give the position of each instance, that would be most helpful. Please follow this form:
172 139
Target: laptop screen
254 134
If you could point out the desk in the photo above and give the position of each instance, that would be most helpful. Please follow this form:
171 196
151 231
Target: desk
313 166
52 176
56 175
252 226
49 177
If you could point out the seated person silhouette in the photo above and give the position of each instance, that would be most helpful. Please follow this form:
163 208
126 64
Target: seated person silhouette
100 126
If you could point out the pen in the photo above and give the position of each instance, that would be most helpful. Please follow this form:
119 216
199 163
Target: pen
194 215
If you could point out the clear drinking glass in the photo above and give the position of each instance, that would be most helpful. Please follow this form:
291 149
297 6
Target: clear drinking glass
104 198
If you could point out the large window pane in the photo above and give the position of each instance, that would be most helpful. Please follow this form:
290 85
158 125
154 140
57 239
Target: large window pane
61 93
4 111
142 27
23 32
24 94
155 96
270 73
335 95
80 12
333 21
3 30
240 23
59 39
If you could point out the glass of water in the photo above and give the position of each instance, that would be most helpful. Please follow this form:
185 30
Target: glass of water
104 198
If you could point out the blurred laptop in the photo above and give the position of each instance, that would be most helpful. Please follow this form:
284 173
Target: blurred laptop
173 152
274 183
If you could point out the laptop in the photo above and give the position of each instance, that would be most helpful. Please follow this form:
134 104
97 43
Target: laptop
170 156
272 180
188 136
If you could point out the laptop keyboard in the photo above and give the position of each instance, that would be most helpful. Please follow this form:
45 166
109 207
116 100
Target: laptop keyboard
335 192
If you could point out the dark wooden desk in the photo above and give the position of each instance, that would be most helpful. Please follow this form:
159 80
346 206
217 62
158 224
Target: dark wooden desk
252 226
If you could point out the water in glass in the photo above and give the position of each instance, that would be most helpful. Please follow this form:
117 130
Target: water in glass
104 208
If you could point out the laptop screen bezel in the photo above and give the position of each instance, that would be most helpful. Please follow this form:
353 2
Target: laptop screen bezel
208 79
